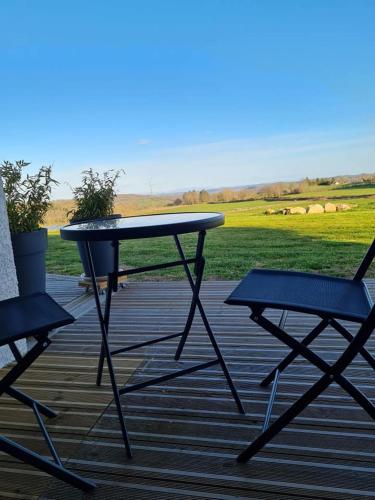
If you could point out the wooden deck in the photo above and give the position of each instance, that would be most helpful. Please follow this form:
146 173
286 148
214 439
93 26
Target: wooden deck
64 289
186 433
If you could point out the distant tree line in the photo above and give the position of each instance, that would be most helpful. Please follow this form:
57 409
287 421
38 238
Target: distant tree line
274 190
203 196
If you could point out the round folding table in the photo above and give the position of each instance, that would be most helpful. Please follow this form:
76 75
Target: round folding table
150 226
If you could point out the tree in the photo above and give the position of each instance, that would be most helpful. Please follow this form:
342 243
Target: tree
272 190
229 195
204 196
325 181
190 198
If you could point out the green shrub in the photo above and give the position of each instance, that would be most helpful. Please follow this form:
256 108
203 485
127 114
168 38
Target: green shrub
96 196
28 198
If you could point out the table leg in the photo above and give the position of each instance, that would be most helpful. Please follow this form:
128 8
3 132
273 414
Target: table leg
196 302
104 323
110 288
195 286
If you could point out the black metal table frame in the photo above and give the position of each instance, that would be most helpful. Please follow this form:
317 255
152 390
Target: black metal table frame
104 317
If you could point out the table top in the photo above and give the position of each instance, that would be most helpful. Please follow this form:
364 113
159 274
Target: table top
142 226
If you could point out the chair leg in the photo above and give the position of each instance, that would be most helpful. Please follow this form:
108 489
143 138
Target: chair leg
29 457
300 405
332 373
349 337
20 452
310 338
27 400
17 370
285 418
356 394
293 354
23 362
290 341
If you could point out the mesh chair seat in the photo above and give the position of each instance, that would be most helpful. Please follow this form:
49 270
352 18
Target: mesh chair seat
24 316
304 292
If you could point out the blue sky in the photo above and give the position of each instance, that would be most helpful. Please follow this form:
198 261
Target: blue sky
189 93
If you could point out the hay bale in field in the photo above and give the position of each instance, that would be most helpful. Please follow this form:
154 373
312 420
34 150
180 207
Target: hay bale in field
342 207
330 207
315 209
296 210
269 211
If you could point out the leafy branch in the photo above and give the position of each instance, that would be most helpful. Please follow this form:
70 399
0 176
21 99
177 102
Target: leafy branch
27 199
95 197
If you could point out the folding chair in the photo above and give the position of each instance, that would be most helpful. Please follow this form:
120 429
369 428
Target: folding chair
33 315
331 299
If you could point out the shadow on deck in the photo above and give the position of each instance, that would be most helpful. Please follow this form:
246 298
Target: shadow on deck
186 433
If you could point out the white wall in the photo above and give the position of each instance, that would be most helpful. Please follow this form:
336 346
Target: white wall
8 278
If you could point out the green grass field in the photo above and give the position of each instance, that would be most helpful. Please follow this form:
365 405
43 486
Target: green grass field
331 243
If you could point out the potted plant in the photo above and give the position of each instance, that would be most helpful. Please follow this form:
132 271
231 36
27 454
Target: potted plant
27 202
94 199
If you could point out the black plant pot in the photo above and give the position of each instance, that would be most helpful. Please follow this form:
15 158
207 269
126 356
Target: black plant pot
102 257
102 253
29 256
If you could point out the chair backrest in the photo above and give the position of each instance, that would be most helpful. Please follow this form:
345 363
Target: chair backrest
366 263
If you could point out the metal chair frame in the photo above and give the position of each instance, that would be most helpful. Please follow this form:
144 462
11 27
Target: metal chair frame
331 372
104 317
11 447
